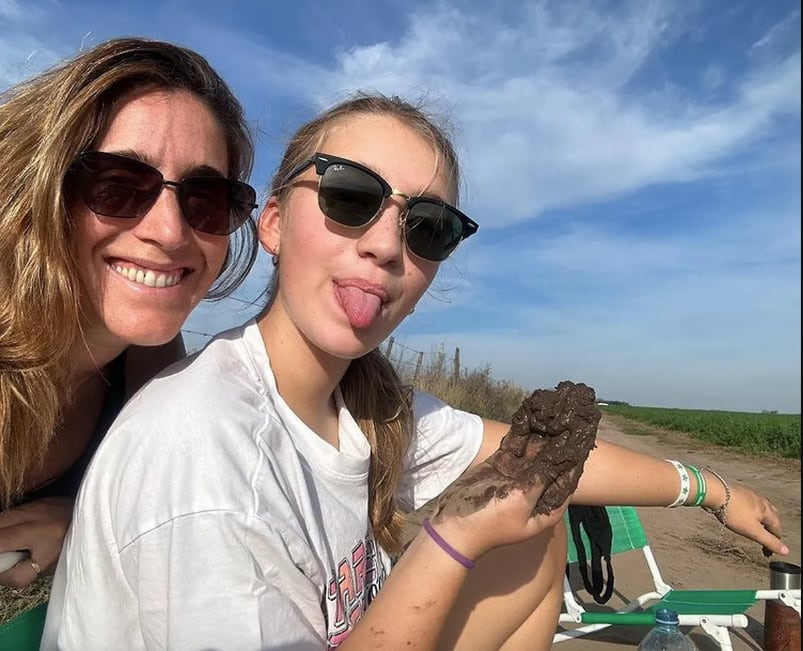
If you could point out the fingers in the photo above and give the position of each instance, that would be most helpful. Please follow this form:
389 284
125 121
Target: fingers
771 544
21 575
773 531
771 519
755 517
539 523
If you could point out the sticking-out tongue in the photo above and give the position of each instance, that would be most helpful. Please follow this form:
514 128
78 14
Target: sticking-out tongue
361 307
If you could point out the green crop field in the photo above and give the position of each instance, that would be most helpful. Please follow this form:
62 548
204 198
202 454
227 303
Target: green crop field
776 434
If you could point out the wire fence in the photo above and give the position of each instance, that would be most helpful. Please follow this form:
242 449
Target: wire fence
409 362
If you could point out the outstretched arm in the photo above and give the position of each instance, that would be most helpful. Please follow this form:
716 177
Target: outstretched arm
614 475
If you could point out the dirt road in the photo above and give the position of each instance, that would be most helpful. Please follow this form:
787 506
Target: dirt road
689 547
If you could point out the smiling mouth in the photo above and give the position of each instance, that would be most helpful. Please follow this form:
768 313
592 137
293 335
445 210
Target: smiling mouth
148 277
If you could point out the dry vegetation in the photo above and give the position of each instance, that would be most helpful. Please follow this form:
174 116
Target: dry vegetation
14 602
472 390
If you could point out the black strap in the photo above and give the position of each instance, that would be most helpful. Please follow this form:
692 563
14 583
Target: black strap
595 521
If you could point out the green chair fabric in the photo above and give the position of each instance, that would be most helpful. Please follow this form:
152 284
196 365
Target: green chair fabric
24 632
715 610
628 533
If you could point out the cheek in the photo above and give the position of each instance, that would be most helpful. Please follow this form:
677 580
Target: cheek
214 251
420 276
85 235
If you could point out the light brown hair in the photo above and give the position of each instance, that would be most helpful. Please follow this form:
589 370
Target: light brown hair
44 123
372 390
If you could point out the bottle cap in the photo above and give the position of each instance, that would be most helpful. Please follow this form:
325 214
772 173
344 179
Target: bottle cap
666 616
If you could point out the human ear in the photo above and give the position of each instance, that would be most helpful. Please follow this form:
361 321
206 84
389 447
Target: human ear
269 226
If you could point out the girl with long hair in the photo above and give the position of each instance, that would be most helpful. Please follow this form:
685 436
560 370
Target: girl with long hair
259 496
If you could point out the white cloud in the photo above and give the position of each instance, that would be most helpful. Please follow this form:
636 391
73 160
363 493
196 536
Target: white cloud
559 105
786 28
547 124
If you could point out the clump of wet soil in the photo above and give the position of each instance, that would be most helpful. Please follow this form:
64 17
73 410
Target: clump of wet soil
549 440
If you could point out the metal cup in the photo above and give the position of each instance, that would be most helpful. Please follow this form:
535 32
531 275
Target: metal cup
782 623
784 576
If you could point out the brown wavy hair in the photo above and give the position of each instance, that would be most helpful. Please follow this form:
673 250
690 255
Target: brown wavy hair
44 123
371 388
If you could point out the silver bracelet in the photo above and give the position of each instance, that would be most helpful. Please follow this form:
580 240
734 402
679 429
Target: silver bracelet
721 513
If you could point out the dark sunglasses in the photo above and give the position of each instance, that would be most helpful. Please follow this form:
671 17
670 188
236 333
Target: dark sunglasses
353 195
126 188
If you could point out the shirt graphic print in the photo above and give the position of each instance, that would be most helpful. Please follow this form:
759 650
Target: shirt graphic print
351 588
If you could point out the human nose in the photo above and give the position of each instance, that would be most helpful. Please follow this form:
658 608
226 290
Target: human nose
164 224
382 240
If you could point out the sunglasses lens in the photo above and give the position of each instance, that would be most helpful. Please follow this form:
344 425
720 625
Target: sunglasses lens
122 187
115 186
215 205
348 195
433 230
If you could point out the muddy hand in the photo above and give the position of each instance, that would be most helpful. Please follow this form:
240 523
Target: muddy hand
549 440
484 509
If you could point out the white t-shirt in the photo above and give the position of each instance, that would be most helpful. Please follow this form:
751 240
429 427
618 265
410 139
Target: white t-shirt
212 518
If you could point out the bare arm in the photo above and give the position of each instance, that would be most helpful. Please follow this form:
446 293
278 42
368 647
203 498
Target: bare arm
410 612
614 475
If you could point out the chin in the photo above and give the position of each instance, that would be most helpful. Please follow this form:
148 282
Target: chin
357 345
147 335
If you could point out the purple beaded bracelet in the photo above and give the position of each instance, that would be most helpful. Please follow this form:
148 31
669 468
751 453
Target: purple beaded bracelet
445 546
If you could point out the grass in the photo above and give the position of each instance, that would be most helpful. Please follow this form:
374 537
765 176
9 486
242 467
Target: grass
15 602
764 434
476 391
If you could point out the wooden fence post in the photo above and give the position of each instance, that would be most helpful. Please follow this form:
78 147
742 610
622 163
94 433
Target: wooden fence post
439 363
418 366
456 369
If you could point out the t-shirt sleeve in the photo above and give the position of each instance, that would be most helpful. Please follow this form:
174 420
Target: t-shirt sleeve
445 442
219 580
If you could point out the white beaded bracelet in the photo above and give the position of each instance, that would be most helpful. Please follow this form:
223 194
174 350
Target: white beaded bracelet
685 483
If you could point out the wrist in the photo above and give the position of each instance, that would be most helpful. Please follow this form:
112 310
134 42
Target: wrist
718 507
715 497
446 546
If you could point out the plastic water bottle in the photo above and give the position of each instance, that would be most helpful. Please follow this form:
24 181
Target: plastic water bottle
666 636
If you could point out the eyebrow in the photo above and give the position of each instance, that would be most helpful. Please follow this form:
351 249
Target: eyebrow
195 170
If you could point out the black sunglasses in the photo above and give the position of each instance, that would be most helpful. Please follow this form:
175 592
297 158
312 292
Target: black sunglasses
118 186
353 195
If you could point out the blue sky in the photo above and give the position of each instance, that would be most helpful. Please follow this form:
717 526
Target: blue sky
634 167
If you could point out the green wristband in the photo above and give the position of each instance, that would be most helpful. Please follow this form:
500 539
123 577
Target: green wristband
701 488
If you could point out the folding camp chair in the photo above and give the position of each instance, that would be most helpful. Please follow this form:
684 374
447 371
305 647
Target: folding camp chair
24 632
715 611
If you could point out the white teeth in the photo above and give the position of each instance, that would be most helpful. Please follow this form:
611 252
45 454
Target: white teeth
148 278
